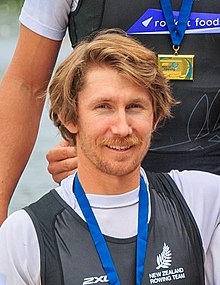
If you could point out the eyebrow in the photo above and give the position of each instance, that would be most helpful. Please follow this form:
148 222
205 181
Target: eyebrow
100 100
108 99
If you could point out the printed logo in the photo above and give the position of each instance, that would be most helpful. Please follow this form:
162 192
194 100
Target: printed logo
164 273
208 129
95 280
164 259
153 22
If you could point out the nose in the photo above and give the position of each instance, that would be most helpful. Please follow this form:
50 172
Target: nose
120 125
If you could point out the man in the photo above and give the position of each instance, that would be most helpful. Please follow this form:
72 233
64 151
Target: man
111 222
193 145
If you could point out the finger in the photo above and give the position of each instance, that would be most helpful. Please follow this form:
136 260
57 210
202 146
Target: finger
60 176
61 153
65 165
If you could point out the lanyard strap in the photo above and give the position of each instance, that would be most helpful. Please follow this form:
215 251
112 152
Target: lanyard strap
177 31
98 237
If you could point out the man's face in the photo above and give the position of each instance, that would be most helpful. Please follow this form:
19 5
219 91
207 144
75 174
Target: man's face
115 123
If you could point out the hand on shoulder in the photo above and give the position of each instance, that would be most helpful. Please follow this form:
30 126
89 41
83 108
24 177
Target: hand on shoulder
62 161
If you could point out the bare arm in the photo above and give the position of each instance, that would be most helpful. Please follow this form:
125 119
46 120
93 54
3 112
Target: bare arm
20 110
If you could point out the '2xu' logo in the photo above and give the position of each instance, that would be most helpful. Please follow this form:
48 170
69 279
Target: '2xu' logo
95 280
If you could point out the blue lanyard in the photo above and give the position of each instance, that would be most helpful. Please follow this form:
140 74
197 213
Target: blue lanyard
177 31
98 237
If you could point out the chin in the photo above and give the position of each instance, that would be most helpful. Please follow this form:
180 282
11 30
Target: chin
121 169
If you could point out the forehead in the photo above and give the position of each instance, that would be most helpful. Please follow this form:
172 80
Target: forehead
106 81
96 73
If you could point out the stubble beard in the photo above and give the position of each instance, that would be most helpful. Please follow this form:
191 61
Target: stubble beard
118 166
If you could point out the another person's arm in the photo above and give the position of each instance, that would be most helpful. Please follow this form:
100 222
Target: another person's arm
20 110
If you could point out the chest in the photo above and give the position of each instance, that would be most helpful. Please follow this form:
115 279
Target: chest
171 252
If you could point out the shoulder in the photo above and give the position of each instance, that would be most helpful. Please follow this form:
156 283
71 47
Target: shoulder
18 222
196 182
19 249
201 191
47 18
198 188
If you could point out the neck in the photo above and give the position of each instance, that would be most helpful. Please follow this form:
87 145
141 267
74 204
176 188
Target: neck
94 181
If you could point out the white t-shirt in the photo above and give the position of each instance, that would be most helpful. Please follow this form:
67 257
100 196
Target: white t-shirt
48 18
19 249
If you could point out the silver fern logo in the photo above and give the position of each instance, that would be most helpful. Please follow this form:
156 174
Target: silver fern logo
164 259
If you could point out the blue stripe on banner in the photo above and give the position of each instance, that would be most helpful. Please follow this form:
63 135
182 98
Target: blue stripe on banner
153 22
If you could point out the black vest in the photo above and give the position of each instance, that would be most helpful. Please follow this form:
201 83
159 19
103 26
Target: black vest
68 255
195 143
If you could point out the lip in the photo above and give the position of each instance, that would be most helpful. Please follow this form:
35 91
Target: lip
119 149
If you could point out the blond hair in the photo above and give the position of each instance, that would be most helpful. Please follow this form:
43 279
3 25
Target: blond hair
115 49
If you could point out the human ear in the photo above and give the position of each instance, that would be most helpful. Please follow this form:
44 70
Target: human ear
70 126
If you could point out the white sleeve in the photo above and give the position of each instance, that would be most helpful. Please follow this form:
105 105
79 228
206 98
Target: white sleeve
212 261
19 251
48 18
202 193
